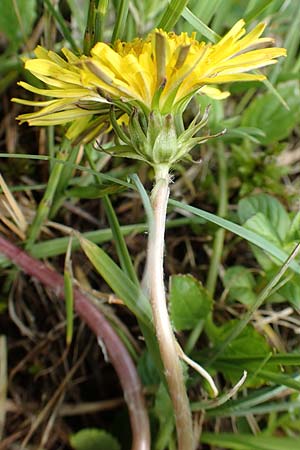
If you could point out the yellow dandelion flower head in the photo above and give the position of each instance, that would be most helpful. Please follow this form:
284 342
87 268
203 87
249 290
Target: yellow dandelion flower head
161 73
165 70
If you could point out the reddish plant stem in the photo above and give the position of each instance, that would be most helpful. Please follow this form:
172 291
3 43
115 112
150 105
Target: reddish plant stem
116 350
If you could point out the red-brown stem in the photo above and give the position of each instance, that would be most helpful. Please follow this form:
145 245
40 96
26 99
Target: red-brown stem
116 350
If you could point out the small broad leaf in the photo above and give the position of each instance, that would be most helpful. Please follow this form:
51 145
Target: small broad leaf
260 224
240 284
94 439
249 343
189 302
294 230
291 292
277 217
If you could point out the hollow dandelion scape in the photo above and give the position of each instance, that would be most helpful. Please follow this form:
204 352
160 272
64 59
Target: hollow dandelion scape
151 81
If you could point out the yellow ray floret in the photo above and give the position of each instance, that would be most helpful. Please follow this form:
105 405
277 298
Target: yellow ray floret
161 72
166 68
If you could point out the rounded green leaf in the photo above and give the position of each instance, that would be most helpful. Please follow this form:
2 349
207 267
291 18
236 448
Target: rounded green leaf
94 439
189 301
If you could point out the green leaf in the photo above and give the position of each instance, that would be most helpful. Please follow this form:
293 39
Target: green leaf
58 246
250 442
257 10
94 191
291 292
121 16
172 14
199 25
164 412
94 439
249 342
266 112
121 247
278 219
118 281
69 302
240 284
79 9
189 302
294 230
16 19
260 224
249 235
60 21
148 370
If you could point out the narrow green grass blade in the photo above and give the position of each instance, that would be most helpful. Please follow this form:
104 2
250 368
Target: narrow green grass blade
69 299
244 405
26 187
45 204
88 40
172 14
257 10
69 295
58 246
67 163
274 91
121 17
200 26
250 442
144 196
250 236
118 281
100 16
206 9
65 177
119 241
126 290
221 14
280 379
263 409
62 25
279 358
118 237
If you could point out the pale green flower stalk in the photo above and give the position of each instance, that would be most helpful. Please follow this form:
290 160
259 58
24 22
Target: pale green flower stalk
141 89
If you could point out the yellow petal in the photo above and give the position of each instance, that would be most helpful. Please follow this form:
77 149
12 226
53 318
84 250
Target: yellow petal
214 93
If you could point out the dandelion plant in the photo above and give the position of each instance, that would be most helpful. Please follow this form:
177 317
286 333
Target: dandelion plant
141 90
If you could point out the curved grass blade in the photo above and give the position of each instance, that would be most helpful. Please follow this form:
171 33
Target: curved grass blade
249 442
58 246
200 26
118 281
239 230
67 163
